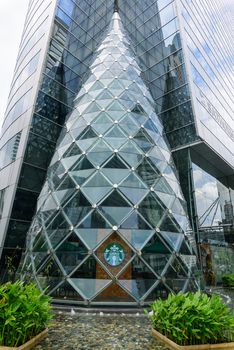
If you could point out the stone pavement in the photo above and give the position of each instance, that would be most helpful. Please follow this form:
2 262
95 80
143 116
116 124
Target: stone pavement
86 331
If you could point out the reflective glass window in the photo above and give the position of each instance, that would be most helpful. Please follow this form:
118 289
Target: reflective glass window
8 152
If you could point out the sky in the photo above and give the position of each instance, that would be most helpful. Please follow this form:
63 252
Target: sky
12 16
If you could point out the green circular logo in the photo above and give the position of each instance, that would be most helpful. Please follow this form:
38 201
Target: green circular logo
114 254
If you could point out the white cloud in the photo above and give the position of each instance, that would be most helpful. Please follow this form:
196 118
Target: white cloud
12 16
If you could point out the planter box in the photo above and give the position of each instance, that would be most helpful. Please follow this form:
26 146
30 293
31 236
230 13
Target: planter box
30 344
173 346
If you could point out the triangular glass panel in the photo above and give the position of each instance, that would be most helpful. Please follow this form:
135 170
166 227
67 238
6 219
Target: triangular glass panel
131 158
137 238
139 118
130 147
63 195
95 194
115 200
69 162
73 150
149 125
116 163
115 176
98 158
96 86
56 236
156 153
102 119
49 204
175 271
88 134
184 249
81 176
173 239
86 280
173 184
182 221
67 292
135 195
97 180
151 210
166 199
100 146
147 171
114 293
139 281
39 259
77 131
133 181
94 220
104 103
159 292
168 224
116 110
105 95
116 131
177 207
128 124
49 275
162 186
142 141
58 222
135 221
157 260
115 214
40 244
77 208
85 144
116 87
83 164
190 262
66 140
71 252
93 236
159 164
101 128
106 75
115 142
155 246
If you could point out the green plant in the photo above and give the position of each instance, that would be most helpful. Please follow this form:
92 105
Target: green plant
192 319
24 313
228 280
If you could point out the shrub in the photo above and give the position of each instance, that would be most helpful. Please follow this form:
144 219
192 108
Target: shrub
228 280
192 319
24 313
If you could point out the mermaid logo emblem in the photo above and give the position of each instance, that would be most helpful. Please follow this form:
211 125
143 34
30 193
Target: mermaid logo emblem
114 254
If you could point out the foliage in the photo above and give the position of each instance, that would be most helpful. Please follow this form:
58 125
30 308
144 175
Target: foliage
228 280
191 319
24 313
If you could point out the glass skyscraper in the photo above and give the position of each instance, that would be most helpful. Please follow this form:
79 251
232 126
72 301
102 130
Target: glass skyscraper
185 76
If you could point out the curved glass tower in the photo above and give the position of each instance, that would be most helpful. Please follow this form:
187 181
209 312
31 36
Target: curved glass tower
112 228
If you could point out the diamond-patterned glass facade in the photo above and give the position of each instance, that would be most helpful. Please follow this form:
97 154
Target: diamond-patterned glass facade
111 183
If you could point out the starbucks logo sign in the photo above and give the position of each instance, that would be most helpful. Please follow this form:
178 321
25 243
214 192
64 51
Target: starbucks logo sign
114 254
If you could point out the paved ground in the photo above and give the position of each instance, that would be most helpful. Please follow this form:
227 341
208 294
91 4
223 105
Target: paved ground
102 332
86 331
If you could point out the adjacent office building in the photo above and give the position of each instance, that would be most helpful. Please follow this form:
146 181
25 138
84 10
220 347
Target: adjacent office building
180 80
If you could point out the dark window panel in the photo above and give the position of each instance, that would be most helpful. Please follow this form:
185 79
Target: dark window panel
24 205
31 178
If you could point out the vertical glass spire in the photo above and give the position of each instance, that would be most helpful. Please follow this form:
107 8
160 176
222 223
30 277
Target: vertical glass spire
110 223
